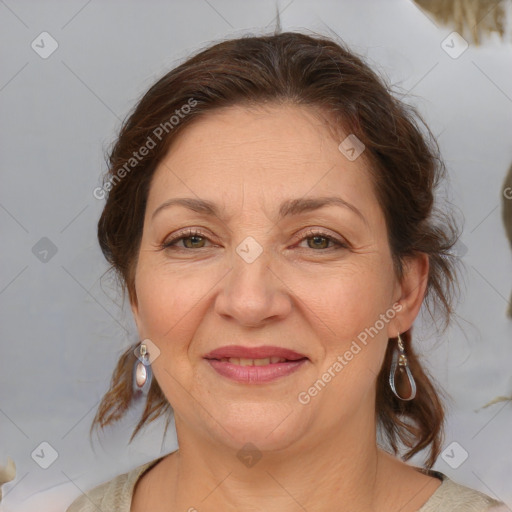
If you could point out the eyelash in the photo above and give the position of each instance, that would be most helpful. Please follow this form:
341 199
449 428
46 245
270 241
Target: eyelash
310 234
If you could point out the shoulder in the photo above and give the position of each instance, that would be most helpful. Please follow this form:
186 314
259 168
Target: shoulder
453 497
113 495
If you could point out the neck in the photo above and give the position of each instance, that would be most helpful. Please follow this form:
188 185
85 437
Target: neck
337 469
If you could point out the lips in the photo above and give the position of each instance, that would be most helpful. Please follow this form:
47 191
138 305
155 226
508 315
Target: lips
253 374
263 352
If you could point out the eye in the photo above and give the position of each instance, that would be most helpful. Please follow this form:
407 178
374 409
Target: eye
195 237
320 240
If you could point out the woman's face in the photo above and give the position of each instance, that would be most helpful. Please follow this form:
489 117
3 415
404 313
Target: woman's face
254 278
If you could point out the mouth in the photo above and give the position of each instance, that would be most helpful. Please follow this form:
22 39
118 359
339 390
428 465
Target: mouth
255 364
254 356
239 361
255 371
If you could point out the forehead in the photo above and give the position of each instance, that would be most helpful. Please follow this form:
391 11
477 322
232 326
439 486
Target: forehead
239 155
258 134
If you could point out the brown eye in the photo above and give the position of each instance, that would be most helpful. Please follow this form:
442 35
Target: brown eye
194 240
321 240
191 239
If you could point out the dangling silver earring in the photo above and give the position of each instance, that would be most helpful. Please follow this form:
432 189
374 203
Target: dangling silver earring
400 365
142 373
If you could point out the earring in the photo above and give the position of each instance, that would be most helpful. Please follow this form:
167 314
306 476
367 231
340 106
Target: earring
405 381
142 373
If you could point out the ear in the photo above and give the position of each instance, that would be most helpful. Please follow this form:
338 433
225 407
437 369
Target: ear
411 292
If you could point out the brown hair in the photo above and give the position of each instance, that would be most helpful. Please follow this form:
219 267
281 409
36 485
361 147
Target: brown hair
406 168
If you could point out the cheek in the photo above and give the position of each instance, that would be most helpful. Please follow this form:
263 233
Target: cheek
166 301
349 299
351 305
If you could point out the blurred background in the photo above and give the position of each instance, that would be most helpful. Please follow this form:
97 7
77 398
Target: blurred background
70 72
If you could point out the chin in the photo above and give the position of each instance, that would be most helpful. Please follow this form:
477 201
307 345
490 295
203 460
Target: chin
265 432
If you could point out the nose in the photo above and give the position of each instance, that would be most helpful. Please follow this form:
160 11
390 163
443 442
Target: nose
252 292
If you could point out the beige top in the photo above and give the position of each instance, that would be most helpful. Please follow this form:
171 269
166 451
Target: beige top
116 495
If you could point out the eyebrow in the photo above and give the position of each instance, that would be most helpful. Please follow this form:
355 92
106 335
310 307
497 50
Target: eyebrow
288 208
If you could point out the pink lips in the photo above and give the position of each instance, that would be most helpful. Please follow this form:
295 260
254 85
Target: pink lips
254 352
255 374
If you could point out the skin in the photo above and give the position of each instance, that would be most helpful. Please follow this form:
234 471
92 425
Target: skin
300 293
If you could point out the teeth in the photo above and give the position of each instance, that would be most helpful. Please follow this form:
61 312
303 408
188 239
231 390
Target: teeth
253 362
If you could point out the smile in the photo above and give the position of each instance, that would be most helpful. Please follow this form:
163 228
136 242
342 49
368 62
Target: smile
255 370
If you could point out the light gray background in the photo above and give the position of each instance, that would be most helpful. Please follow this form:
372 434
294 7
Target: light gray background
63 329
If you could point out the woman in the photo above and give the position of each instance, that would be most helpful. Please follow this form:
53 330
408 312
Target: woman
270 212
